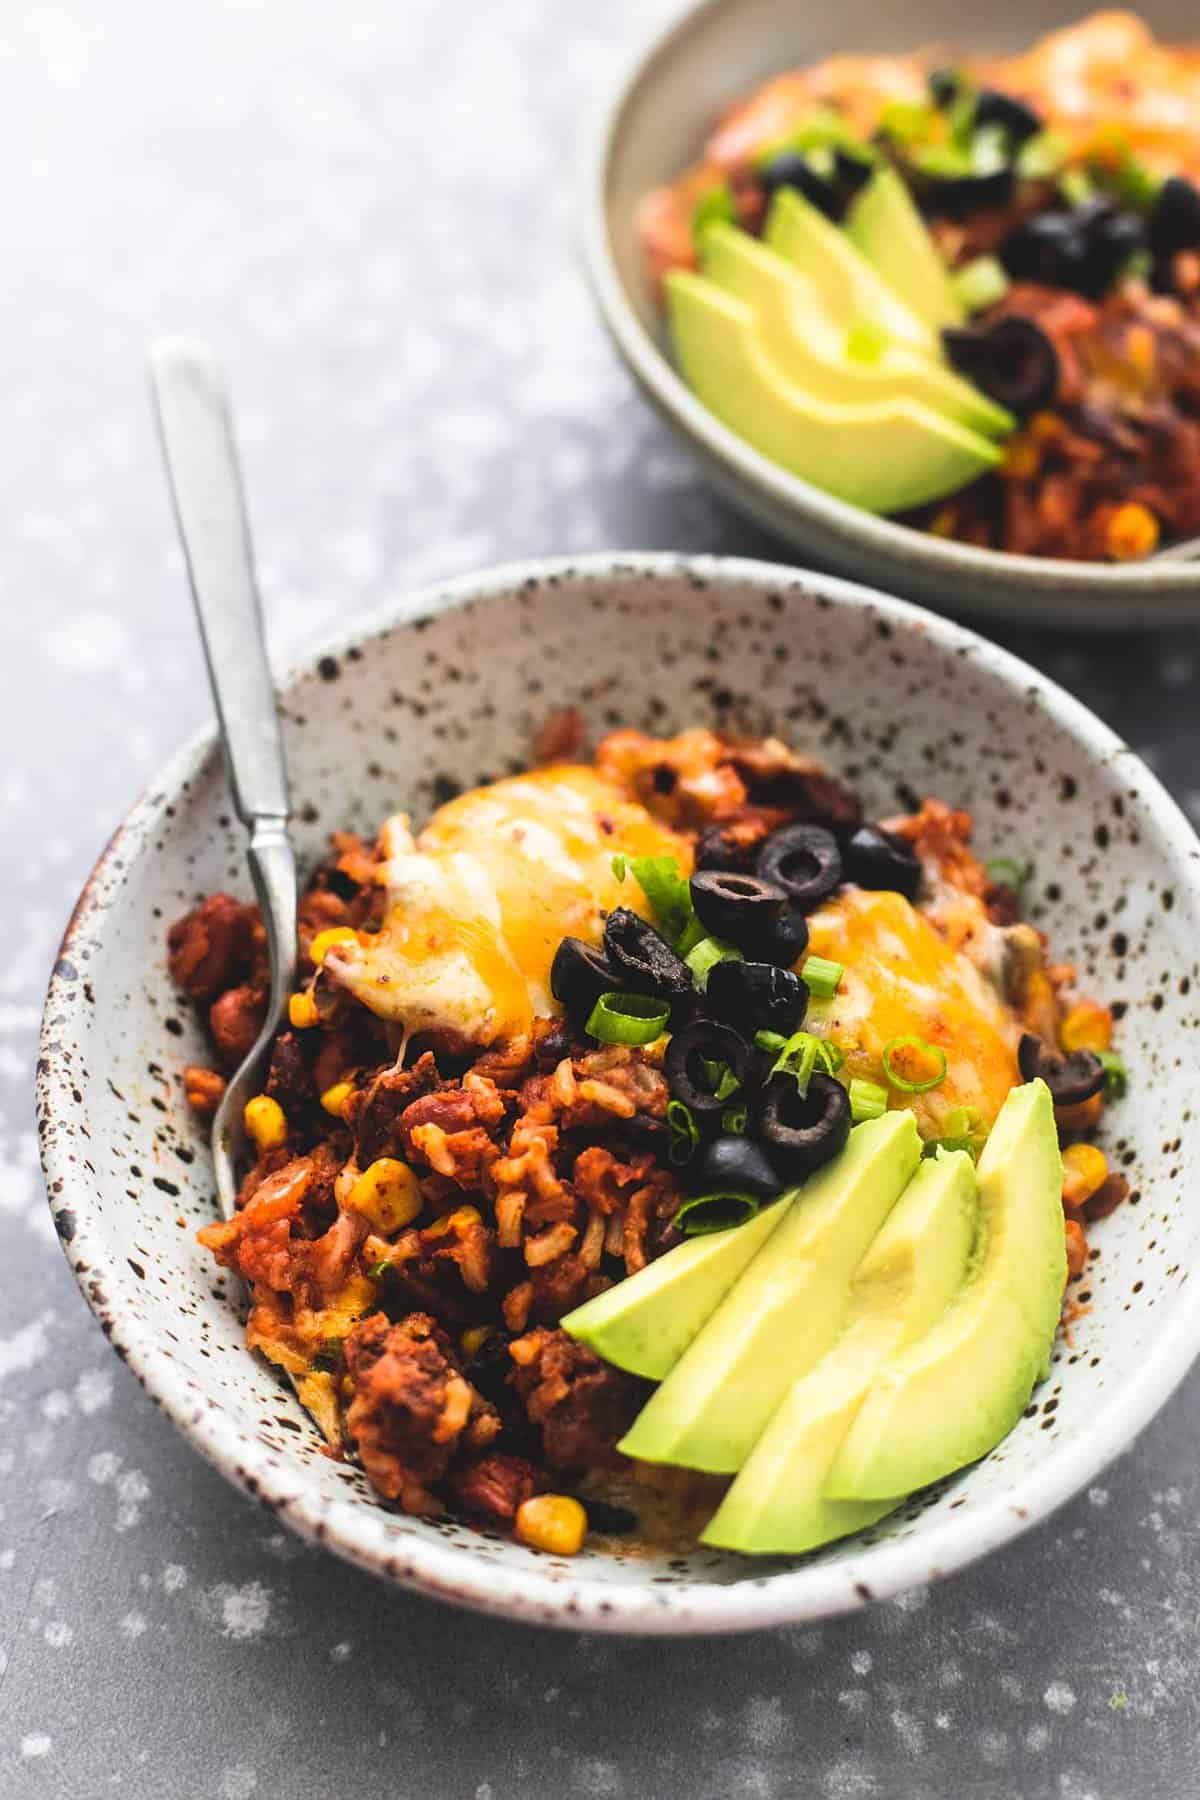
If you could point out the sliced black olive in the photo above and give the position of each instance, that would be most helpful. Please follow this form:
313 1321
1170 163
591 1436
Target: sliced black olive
643 960
646 1131
792 171
799 1131
1071 1079
756 996
724 847
959 195
943 86
1012 115
1175 217
705 1041
579 974
1012 360
786 944
874 858
1050 248
736 1164
804 861
1111 240
613 1521
741 908
852 172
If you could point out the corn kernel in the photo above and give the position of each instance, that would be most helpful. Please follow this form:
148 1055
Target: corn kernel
302 1012
1085 1170
1132 532
1139 348
324 941
471 1342
1088 1026
555 1523
454 1221
388 1194
264 1120
1022 459
334 1098
1044 427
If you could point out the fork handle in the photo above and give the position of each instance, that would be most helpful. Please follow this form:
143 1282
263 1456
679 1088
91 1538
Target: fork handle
192 405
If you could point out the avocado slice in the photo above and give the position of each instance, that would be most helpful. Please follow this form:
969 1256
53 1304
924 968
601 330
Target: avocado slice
886 227
901 1288
951 1396
849 286
784 1311
885 456
645 1324
810 344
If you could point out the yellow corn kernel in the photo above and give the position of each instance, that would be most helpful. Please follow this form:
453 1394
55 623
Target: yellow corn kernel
334 1098
1044 427
302 1012
454 1221
552 1522
388 1194
1139 348
945 521
264 1120
1022 459
1088 1026
471 1342
1132 532
1085 1169
324 941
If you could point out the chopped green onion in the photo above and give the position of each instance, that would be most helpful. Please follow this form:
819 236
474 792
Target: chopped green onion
866 341
685 1134
800 1056
962 110
989 149
1138 266
733 1119
979 284
380 1269
1076 186
714 207
669 895
1004 872
1116 1075
867 1101
917 1047
728 1085
822 977
706 955
821 129
628 1019
620 865
908 121
769 1040
1042 156
715 1212
933 1145
1136 184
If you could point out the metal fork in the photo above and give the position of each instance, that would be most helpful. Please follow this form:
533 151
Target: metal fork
192 405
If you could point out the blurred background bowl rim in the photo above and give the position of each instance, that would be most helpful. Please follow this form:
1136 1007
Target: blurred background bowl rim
883 537
354 1530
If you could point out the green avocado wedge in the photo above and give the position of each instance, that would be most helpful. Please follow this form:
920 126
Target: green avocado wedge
849 286
901 1288
886 227
645 1324
950 1397
784 1311
885 456
810 345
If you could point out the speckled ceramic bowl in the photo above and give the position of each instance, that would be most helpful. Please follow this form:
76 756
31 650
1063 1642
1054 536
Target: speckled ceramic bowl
453 684
655 124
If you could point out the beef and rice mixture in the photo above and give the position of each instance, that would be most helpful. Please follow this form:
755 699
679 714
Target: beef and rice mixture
422 1213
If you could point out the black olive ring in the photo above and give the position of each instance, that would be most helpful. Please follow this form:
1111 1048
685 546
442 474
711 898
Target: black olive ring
804 860
801 1132
1071 1079
708 1041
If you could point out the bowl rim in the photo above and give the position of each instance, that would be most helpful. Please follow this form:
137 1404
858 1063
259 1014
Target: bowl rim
357 1531
856 529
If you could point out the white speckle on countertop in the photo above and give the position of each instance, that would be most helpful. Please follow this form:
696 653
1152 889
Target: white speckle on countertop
862 1662
35 1745
243 1612
238 1782
134 1625
1059 1697
26 1346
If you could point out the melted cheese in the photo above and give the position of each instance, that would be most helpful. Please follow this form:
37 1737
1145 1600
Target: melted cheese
903 978
478 904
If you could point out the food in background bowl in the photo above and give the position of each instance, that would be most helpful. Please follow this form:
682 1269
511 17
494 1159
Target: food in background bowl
964 291
662 1068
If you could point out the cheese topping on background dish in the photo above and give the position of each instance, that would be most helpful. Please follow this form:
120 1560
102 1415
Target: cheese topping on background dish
479 902
902 979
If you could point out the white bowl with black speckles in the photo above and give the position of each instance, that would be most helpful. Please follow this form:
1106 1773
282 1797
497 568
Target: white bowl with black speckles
453 684
654 125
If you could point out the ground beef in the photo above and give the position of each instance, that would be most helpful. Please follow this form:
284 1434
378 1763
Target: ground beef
413 1411
496 1485
373 1113
582 1405
212 948
236 1019
289 1080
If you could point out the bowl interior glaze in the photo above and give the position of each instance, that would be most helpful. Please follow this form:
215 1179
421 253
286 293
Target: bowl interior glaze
655 125
450 692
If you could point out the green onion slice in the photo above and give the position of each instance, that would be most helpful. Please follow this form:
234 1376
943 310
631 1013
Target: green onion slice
867 1101
715 1212
380 1270
823 978
769 1040
669 895
802 1054
714 207
980 283
1116 1075
628 1019
1004 872
901 1047
685 1133
728 1084
620 866
706 955
733 1119
933 1145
